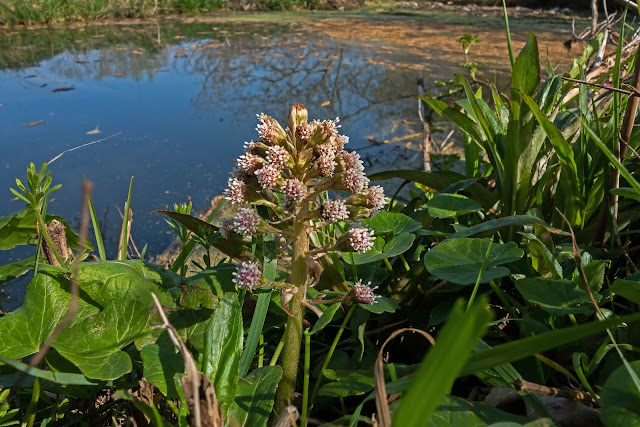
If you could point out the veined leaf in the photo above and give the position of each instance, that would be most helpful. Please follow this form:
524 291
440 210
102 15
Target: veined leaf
223 348
460 261
254 398
45 304
95 344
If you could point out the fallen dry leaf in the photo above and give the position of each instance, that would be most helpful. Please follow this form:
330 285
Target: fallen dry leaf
94 131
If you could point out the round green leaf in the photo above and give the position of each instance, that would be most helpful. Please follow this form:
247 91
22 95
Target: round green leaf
393 222
557 296
620 398
446 205
460 261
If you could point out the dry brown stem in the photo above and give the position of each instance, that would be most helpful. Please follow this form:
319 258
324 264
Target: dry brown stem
382 403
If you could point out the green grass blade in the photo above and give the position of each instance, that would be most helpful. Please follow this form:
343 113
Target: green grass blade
506 27
440 368
614 160
269 270
522 348
96 230
125 224
257 322
570 181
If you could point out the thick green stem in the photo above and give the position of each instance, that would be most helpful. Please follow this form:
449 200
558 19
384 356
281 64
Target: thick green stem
293 329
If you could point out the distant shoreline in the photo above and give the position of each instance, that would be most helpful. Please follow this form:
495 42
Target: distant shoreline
38 13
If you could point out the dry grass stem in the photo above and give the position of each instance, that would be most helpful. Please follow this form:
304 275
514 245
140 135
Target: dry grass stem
382 404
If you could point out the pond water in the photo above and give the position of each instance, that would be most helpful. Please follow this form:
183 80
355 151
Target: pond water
176 100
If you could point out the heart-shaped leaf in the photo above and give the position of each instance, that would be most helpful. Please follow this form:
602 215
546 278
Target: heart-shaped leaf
117 281
391 222
94 344
45 303
460 261
394 247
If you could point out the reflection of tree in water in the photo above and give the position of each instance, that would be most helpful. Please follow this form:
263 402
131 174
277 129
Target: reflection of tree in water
244 71
318 72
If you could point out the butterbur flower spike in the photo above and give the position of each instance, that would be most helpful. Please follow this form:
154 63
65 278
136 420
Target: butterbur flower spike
290 173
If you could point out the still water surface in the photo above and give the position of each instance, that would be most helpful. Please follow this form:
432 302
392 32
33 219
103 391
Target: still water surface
181 99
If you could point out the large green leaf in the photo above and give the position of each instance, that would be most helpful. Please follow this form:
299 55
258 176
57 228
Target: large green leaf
557 296
524 347
254 398
391 222
629 289
45 304
525 78
394 247
15 269
161 363
118 281
218 279
192 317
347 383
455 411
620 398
445 205
496 224
461 260
441 367
94 344
20 228
223 348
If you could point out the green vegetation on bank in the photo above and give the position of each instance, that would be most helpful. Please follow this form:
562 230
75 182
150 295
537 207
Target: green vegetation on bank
20 12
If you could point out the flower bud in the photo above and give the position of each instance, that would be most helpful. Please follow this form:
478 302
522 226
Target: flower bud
359 212
270 130
248 275
358 239
363 294
247 222
297 114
